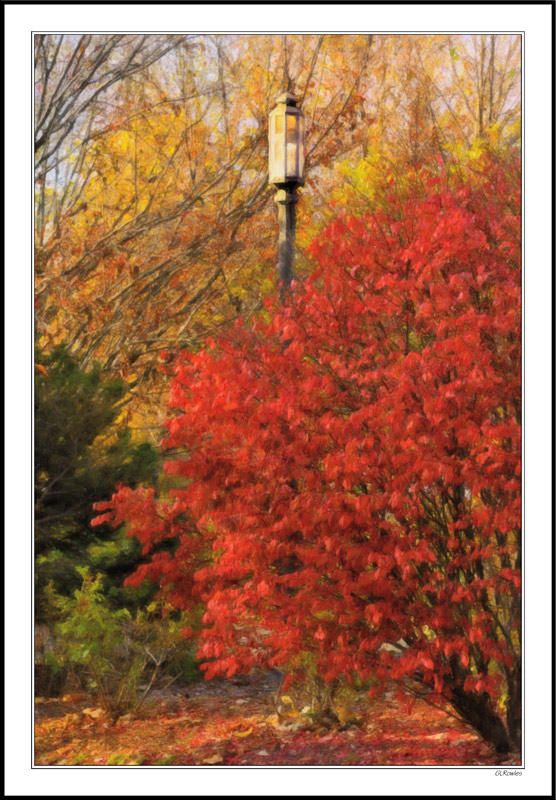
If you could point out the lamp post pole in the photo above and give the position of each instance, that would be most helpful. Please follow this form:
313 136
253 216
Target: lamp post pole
286 164
286 199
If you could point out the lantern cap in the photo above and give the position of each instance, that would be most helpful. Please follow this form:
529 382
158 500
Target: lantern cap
288 99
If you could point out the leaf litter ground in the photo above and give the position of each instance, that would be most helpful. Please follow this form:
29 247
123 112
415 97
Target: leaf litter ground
225 724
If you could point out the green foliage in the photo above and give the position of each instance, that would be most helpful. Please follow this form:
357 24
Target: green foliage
116 759
183 666
82 449
114 558
159 626
123 656
90 634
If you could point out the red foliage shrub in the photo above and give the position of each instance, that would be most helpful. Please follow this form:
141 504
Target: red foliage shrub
353 464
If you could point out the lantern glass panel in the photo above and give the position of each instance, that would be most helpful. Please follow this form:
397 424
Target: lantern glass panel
301 147
278 157
291 127
291 145
276 154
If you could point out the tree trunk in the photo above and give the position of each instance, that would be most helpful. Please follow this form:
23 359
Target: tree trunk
477 711
513 713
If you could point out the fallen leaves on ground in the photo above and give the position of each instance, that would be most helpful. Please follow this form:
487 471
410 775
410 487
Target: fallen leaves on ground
220 724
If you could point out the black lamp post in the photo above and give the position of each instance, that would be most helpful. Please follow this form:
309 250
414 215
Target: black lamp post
286 158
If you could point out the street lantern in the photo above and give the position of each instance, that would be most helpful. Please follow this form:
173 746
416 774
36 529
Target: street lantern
286 157
286 161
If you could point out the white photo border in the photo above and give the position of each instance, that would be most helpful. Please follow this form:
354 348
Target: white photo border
535 21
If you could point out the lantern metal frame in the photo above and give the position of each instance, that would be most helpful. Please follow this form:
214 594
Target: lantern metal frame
286 135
